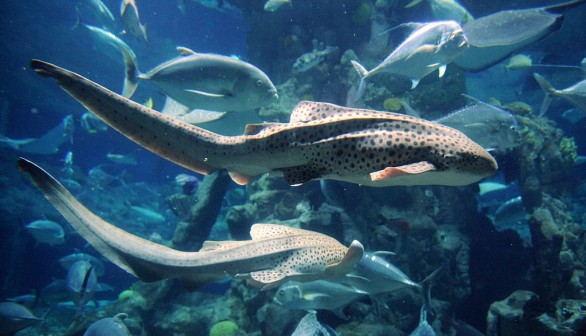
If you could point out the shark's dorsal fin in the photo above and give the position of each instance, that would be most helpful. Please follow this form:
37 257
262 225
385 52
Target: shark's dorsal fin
307 111
211 245
252 129
183 51
260 231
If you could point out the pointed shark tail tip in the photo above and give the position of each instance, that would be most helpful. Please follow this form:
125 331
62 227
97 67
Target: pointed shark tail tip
548 90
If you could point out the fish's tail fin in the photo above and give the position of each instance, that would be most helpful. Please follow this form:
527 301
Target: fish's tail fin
549 91
426 285
131 71
362 72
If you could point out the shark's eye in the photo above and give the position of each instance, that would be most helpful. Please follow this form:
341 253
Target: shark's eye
259 83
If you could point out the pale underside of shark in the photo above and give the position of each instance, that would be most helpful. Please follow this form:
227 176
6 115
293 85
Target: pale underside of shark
275 254
321 141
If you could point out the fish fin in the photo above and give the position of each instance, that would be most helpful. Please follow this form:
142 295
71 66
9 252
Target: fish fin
424 49
414 83
206 94
212 245
173 108
261 231
184 51
442 70
411 169
253 129
383 253
413 3
298 175
307 111
240 179
549 91
350 259
199 116
266 279
362 73
315 296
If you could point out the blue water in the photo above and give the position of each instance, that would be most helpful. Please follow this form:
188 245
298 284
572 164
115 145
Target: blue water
31 105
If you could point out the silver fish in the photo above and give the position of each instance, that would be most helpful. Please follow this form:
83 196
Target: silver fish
131 20
275 5
489 126
321 141
494 37
209 82
311 59
81 281
275 254
110 326
67 261
575 94
46 232
126 159
14 317
94 11
432 46
446 10
318 294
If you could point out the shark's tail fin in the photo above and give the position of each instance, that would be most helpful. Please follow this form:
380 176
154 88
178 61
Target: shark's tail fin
549 91
362 72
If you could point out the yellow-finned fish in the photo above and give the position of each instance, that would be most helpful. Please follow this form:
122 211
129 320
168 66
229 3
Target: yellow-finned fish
321 141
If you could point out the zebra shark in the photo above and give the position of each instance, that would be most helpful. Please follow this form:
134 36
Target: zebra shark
321 141
275 254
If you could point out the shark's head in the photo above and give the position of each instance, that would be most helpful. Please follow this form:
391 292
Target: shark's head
470 164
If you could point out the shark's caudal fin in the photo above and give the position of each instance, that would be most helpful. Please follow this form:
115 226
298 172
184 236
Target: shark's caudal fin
362 72
131 71
549 91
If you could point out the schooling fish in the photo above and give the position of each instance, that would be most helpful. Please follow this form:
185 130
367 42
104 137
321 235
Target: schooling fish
131 20
67 261
275 254
432 46
110 326
48 143
15 317
311 59
46 232
81 282
322 141
575 94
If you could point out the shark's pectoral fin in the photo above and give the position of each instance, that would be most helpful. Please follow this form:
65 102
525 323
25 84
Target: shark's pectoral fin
266 279
298 175
240 179
410 169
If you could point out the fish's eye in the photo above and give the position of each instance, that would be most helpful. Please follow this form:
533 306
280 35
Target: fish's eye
259 83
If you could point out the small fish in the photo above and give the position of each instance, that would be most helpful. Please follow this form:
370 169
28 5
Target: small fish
67 261
94 11
81 281
318 294
217 5
188 183
275 254
311 59
126 159
489 126
510 213
495 37
274 5
432 46
131 20
48 143
46 232
519 61
321 141
55 292
310 326
146 215
446 10
92 124
15 317
110 326
573 115
575 94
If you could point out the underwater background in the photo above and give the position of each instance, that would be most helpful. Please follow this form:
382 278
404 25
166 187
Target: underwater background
512 247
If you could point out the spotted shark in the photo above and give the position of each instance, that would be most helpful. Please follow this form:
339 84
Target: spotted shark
321 141
275 254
